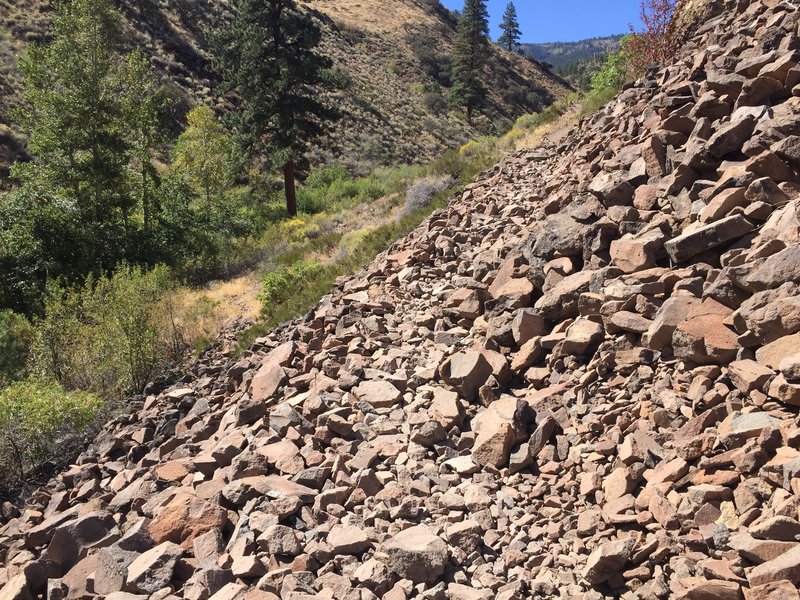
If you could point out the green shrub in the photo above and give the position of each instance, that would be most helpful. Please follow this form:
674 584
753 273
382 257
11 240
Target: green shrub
38 420
15 338
109 336
282 284
332 189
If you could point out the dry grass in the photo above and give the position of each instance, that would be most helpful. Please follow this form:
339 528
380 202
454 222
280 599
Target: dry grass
386 16
200 314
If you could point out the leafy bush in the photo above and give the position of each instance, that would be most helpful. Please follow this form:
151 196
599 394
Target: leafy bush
108 336
422 191
435 65
281 284
614 72
658 42
37 420
15 339
332 189
435 102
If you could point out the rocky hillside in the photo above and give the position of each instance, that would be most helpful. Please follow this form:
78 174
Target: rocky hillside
581 380
395 63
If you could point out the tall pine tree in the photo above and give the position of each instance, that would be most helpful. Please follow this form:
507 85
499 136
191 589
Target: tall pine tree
510 26
471 50
269 58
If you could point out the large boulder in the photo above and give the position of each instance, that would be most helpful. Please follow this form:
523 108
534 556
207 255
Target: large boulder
185 518
703 337
498 429
417 554
466 372
153 570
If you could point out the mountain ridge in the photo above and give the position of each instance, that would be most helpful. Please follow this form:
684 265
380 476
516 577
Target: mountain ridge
394 111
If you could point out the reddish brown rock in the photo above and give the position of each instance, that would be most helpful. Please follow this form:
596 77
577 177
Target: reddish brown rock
466 372
703 337
185 518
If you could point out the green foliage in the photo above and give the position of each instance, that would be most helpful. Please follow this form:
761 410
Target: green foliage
15 339
94 119
35 419
435 64
596 100
510 26
613 73
469 57
268 56
282 284
108 336
609 79
205 156
144 105
332 189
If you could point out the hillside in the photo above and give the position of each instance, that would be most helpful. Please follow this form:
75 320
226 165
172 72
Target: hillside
395 61
579 380
564 54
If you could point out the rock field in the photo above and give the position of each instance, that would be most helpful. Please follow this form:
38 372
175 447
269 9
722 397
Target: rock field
581 380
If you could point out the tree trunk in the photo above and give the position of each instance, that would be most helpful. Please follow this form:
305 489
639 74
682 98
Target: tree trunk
288 183
145 200
469 113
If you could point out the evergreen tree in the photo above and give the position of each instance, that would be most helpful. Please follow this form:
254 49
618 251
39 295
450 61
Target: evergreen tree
269 58
510 26
471 50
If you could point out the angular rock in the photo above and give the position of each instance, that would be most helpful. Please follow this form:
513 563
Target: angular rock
418 554
185 518
692 243
466 372
607 561
379 393
153 570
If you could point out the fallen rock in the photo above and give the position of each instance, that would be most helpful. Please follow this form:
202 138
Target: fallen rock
417 554
466 372
607 561
153 570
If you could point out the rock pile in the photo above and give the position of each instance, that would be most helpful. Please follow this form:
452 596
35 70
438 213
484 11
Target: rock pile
579 381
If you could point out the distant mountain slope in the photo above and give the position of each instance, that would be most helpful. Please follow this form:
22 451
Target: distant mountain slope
564 54
395 59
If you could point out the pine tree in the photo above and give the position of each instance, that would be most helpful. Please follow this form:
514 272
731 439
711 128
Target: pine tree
471 50
269 58
510 26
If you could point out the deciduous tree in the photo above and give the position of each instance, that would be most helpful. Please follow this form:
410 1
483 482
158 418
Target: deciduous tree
657 42
204 155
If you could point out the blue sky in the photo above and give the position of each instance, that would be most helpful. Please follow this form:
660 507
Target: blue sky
563 20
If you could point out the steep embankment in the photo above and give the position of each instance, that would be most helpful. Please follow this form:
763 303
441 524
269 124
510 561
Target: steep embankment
578 381
395 62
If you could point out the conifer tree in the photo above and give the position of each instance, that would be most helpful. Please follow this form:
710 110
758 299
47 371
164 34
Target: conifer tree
510 26
269 57
471 50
